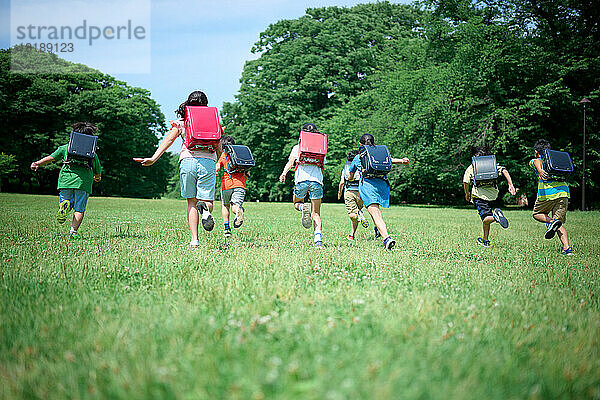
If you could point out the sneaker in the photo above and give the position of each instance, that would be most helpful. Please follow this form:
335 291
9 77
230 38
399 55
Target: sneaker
362 219
306 215
377 234
195 244
63 210
72 234
208 222
227 232
239 218
500 218
568 252
350 237
552 228
389 243
483 242
318 244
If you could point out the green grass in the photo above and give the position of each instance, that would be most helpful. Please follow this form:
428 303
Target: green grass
127 310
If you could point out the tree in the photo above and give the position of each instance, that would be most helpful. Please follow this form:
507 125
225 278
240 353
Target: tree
38 108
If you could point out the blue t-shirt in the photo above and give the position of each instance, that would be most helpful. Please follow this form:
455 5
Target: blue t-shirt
371 190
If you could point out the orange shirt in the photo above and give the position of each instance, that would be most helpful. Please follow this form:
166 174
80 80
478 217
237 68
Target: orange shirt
230 181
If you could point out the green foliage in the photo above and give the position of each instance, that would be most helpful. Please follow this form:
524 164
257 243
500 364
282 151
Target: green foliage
127 311
451 75
7 167
38 109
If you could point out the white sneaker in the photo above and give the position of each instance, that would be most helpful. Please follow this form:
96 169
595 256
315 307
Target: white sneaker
208 222
194 244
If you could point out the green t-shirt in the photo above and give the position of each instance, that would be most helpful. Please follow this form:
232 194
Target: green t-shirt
74 176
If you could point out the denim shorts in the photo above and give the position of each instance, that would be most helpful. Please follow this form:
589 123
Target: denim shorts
484 207
314 189
233 196
77 197
198 177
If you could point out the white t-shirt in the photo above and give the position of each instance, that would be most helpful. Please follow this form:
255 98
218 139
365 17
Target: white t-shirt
185 152
306 172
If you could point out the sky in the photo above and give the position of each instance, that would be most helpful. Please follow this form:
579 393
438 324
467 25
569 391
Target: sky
193 45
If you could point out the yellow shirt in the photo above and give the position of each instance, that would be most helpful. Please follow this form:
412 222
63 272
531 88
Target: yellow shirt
485 192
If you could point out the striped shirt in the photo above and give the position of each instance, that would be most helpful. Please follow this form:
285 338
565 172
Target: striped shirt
550 189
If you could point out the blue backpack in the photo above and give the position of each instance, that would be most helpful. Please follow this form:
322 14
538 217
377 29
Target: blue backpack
556 163
376 161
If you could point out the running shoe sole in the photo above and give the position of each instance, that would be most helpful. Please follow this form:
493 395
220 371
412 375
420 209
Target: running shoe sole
239 218
208 223
363 220
552 228
63 210
500 218
306 215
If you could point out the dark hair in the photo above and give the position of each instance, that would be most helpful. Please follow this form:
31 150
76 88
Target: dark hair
367 139
309 128
227 140
352 154
541 145
478 151
87 128
196 98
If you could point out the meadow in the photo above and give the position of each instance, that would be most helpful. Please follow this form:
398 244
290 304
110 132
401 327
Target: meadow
128 311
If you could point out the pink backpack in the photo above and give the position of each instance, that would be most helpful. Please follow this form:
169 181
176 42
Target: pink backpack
202 128
312 148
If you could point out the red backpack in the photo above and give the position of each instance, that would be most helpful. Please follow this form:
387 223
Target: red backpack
312 148
202 128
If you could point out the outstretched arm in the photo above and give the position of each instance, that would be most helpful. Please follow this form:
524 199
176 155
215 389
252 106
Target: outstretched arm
165 144
36 164
287 167
400 160
511 187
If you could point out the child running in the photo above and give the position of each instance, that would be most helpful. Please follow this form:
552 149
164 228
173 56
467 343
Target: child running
233 191
308 179
352 198
552 196
74 180
483 196
197 169
374 191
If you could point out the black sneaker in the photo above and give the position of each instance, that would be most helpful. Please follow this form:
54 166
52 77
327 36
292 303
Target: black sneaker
377 234
483 242
500 218
208 222
552 228
389 243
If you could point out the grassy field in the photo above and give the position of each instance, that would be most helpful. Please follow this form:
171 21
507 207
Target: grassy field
127 310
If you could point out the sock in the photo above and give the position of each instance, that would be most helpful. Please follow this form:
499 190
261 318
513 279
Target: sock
227 226
317 236
72 231
300 206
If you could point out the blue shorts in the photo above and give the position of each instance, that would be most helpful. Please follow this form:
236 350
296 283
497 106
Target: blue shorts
198 177
484 208
374 191
314 189
77 197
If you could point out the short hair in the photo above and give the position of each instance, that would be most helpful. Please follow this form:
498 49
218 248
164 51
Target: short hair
367 139
541 145
478 151
196 98
352 154
309 128
87 128
227 140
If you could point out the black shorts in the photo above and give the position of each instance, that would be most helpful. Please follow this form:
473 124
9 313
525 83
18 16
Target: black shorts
484 207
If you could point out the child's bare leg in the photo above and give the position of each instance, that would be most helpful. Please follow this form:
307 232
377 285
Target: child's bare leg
487 221
192 217
298 203
77 220
225 213
378 219
564 237
542 218
353 223
316 214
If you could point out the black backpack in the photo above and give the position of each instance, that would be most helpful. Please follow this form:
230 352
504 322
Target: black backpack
81 149
239 158
556 163
376 161
485 170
